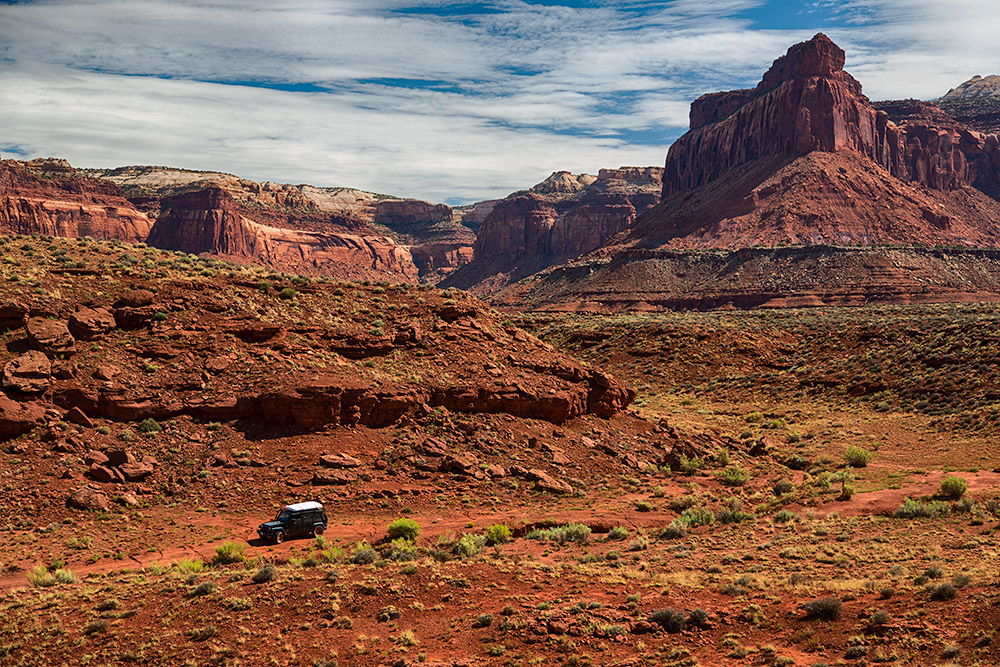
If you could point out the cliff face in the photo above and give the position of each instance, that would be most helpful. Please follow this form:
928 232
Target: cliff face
30 204
561 218
211 221
806 102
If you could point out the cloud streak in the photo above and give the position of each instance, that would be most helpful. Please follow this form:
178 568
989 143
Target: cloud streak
431 99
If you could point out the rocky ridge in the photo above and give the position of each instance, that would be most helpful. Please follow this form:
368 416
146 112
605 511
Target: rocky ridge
561 218
803 160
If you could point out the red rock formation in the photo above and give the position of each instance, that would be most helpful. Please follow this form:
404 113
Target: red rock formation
210 221
394 212
72 206
562 217
807 102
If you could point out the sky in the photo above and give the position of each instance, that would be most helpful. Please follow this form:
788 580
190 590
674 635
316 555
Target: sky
446 101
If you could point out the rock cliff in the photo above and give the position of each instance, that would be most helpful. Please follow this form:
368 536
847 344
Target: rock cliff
33 204
804 159
211 221
806 102
561 218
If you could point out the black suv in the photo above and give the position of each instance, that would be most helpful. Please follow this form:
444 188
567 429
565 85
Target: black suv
294 521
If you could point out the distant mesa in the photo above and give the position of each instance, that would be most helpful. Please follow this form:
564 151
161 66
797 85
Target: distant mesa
803 160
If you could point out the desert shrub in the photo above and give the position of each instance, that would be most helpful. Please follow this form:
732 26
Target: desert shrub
732 512
229 552
95 627
913 509
468 545
696 516
40 577
784 516
364 555
408 529
266 573
698 617
782 486
64 576
149 425
880 617
571 532
674 531
858 457
951 652
618 533
734 476
953 487
483 621
797 462
498 533
688 466
204 588
643 506
943 591
406 638
827 608
264 286
669 619
288 293
386 614
238 604
401 550
202 633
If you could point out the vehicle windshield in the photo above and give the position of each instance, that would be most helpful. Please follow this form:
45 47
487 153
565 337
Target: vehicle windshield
284 515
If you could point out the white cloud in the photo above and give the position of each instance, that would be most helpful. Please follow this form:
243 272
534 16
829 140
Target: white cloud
523 91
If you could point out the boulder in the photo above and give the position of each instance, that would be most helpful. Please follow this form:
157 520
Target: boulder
88 499
17 418
100 473
333 478
50 336
77 416
12 316
338 461
118 456
136 298
95 457
136 472
91 323
30 373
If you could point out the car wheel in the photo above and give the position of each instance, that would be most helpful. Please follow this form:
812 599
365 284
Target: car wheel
317 530
279 537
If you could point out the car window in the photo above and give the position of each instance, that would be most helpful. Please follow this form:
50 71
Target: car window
283 515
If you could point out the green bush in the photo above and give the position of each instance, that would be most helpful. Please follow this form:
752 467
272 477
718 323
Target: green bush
498 533
266 573
618 533
150 425
229 552
734 476
408 529
914 509
858 457
468 545
671 620
571 532
40 577
696 516
827 608
953 487
288 293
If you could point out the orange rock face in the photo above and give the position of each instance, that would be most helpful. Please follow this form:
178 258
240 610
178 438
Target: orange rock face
806 102
67 207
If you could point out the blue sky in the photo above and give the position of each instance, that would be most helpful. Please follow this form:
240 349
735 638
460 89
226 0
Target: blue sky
446 101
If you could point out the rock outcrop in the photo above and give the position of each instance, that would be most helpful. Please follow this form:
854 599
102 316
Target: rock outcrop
804 159
806 102
211 221
561 218
67 206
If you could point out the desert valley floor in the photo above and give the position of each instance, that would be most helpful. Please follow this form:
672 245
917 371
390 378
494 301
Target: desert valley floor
786 487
